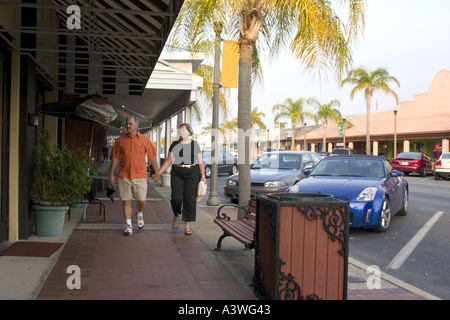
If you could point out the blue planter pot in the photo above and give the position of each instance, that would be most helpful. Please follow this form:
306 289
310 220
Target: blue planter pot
49 221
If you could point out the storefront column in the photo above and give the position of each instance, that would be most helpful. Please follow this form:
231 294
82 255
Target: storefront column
375 148
330 147
14 148
313 147
406 146
188 115
350 145
445 145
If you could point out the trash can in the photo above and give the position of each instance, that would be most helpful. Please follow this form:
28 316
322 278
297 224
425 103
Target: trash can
301 247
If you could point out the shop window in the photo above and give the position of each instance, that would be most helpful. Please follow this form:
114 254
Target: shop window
436 148
418 147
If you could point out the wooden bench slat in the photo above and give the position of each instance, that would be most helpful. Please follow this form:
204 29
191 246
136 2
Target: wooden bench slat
242 230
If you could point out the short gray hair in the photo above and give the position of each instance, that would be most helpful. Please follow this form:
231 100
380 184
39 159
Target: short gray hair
136 119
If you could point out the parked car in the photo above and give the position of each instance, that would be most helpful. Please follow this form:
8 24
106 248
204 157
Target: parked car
324 154
226 162
413 162
341 152
273 172
375 191
442 166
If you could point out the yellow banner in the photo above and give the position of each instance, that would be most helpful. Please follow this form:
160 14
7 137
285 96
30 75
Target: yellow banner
230 64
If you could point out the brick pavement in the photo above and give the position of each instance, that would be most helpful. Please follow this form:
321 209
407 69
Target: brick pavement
159 263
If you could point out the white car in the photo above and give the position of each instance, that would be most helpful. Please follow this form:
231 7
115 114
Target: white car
442 166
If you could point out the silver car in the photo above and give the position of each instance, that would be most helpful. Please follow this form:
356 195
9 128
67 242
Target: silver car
442 166
273 172
226 162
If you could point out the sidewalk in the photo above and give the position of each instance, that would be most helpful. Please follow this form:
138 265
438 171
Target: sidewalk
157 262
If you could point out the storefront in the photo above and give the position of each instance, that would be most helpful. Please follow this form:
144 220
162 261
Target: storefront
422 125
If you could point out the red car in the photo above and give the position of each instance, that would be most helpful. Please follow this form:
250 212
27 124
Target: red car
413 162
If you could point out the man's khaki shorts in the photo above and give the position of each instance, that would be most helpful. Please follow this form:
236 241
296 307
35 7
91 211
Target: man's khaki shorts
132 187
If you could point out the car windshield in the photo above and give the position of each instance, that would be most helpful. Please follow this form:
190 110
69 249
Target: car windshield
281 161
350 168
409 155
340 151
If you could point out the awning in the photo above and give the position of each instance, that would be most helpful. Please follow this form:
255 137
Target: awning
95 108
112 50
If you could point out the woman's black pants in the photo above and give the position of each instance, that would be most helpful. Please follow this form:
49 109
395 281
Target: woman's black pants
184 184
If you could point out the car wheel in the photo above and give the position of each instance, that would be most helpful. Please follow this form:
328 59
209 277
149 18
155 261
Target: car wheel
234 169
385 217
404 210
235 201
437 177
208 171
424 172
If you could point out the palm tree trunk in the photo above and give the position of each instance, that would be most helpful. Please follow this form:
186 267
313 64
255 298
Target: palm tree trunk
368 100
244 121
293 136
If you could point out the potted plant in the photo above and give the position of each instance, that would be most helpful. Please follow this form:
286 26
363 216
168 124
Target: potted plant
60 177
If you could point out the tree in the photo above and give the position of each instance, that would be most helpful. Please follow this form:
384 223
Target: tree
295 111
311 29
256 120
325 112
368 81
206 92
230 127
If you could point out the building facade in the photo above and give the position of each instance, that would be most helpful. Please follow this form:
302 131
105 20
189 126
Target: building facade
111 49
422 124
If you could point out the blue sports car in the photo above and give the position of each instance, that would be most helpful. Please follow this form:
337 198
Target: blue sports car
374 190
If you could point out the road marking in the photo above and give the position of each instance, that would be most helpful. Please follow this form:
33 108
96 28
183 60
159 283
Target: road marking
406 251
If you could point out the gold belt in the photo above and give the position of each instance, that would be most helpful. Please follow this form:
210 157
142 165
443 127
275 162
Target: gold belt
185 165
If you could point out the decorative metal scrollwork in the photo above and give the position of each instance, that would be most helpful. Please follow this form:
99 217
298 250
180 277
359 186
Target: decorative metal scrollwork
291 289
271 211
334 221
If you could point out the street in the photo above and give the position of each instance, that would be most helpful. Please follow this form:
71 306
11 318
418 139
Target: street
416 247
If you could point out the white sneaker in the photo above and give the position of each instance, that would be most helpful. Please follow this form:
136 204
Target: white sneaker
140 220
128 231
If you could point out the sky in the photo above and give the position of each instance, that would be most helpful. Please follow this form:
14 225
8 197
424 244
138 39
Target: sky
407 37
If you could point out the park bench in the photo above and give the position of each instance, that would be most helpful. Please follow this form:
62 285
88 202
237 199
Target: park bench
242 230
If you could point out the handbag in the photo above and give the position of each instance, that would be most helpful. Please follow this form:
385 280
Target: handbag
201 190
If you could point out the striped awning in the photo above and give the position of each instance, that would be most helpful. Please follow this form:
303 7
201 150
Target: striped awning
113 49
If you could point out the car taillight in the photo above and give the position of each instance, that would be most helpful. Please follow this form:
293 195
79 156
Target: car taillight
439 163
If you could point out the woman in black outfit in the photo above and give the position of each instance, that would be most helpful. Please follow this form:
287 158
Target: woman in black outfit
188 169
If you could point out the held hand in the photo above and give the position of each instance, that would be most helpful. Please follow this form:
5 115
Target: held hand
155 176
204 180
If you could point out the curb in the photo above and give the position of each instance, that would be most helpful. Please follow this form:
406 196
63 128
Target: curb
394 281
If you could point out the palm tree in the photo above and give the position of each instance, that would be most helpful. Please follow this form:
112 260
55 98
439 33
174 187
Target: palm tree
206 92
325 112
295 111
230 127
256 120
369 81
311 29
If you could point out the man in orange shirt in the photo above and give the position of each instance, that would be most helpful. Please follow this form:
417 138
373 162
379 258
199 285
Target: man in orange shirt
130 150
